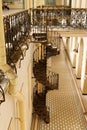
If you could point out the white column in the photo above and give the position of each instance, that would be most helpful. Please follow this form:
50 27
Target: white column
84 69
73 4
78 4
79 59
28 4
83 3
74 53
86 4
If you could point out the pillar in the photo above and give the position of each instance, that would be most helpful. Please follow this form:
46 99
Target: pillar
84 76
2 39
83 3
78 4
74 52
73 4
79 59
84 69
28 4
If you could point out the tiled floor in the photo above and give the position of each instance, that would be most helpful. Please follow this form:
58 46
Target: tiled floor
65 108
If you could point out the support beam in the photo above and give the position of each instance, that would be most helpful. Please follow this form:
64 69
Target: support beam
70 33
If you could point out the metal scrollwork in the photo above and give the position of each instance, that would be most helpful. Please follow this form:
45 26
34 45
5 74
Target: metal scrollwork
62 17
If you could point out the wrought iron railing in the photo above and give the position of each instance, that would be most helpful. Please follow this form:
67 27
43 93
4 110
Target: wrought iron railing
35 29
16 28
73 18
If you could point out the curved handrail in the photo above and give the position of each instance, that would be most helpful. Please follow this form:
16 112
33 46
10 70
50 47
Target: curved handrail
63 17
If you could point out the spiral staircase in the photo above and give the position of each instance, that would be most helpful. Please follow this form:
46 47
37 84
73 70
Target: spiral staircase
45 79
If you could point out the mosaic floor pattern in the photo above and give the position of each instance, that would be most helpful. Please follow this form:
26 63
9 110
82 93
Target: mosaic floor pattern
65 109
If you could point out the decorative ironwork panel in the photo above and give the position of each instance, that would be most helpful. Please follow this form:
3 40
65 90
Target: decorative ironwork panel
78 18
62 17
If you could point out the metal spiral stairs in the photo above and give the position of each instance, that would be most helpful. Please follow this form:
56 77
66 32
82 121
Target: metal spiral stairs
45 79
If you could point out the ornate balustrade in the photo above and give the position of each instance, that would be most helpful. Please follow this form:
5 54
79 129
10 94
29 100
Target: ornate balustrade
16 28
72 18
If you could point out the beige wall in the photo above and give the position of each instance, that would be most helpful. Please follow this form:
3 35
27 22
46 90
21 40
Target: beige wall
25 83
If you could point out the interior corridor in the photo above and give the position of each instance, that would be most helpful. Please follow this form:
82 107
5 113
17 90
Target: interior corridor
63 104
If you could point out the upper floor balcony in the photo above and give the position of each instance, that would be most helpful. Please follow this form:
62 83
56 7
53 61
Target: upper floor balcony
19 26
67 21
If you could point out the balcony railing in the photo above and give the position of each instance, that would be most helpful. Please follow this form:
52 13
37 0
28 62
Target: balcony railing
72 18
16 28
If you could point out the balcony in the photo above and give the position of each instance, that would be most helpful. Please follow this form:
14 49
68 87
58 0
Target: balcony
20 26
67 21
